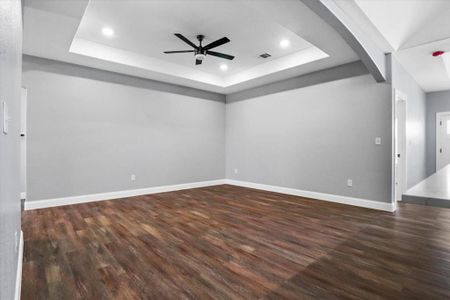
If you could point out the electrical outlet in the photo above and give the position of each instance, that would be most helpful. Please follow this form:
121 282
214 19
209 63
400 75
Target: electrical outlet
133 177
377 141
236 171
349 182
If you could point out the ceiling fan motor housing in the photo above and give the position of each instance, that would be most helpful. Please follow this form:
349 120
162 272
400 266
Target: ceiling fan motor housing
200 54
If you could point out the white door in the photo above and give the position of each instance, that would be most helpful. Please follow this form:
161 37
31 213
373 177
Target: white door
23 144
400 145
442 140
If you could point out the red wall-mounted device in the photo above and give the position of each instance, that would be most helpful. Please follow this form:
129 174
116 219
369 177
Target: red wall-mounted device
438 53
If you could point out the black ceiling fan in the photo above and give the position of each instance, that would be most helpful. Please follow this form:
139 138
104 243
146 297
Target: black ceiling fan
200 51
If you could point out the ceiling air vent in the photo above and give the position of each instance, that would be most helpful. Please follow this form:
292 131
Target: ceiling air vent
265 55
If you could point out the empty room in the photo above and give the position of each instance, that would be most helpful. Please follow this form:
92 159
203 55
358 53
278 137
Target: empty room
224 149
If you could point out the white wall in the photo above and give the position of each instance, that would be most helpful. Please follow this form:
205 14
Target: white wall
315 138
10 73
415 123
88 132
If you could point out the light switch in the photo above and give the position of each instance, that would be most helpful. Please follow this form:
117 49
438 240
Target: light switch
5 117
377 141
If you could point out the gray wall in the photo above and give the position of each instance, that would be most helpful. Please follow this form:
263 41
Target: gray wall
327 75
89 130
10 74
415 123
314 138
436 102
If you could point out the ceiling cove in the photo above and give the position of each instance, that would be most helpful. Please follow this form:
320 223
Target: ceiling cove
269 40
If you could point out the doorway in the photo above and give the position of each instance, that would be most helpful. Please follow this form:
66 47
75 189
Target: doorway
400 144
442 140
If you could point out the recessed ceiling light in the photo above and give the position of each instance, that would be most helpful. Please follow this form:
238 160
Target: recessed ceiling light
109 32
284 43
223 67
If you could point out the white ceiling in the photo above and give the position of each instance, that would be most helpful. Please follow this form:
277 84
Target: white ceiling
401 21
143 32
69 8
413 30
143 29
147 28
431 72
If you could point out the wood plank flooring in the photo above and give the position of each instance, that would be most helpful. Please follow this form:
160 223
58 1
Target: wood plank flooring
228 242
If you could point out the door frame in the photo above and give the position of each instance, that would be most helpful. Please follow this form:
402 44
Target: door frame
402 145
438 138
23 143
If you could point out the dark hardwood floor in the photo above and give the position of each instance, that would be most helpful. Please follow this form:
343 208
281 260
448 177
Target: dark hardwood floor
227 242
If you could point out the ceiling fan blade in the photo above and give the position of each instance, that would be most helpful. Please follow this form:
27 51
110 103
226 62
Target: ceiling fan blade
183 38
198 62
179 51
221 55
217 43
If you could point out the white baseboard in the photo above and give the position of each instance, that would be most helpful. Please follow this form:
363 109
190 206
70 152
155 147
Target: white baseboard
315 195
169 188
119 194
19 268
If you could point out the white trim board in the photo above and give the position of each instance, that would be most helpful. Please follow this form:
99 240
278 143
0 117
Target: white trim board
169 188
399 97
390 207
19 269
119 194
438 138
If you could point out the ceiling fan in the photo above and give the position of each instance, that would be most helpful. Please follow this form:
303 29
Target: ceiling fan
201 51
